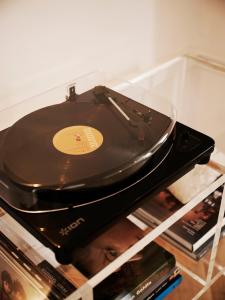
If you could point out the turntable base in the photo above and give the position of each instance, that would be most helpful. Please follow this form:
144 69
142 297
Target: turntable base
63 231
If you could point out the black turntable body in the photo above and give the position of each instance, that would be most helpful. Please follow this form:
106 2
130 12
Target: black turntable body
68 171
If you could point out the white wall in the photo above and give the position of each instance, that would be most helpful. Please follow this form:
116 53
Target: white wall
44 43
209 34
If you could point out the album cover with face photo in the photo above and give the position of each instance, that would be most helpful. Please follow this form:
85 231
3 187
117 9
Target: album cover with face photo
144 271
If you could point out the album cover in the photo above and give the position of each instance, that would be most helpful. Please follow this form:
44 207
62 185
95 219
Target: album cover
16 283
143 271
194 228
52 282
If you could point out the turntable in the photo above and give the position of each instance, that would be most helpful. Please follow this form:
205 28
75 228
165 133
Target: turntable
67 171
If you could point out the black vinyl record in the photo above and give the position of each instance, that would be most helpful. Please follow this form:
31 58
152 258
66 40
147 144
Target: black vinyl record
94 141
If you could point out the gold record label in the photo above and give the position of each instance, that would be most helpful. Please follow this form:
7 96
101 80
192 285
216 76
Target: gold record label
77 140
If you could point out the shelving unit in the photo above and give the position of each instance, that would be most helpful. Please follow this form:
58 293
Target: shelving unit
180 81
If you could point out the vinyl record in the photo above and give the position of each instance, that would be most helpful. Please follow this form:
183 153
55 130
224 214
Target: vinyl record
94 141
